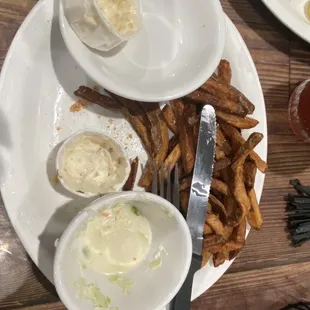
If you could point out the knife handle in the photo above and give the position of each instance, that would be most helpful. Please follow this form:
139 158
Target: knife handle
182 301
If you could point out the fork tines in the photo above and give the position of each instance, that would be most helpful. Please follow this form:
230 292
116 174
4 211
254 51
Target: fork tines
159 178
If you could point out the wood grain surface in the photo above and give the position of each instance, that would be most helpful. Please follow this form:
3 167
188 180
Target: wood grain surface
269 273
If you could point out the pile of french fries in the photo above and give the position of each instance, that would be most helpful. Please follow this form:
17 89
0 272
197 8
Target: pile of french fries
232 202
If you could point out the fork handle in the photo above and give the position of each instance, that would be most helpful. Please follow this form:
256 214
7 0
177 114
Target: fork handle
182 301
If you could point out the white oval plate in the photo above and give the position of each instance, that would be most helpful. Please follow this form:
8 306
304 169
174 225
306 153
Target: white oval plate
37 82
292 14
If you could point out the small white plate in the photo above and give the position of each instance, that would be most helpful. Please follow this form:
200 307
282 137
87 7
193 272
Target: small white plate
37 82
292 14
177 50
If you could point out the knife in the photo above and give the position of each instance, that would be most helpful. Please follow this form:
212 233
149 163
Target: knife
198 200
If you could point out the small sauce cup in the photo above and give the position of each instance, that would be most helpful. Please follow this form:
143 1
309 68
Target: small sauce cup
90 23
123 169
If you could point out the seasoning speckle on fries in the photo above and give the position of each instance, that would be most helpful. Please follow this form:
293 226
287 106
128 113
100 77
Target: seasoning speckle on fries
232 201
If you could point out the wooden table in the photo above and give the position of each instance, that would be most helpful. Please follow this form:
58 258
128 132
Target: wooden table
269 273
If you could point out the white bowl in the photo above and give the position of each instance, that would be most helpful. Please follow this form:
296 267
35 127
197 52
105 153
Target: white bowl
118 149
152 289
177 50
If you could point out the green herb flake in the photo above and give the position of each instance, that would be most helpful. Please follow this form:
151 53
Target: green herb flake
135 211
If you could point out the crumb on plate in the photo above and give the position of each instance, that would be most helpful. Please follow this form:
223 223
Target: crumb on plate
54 180
78 106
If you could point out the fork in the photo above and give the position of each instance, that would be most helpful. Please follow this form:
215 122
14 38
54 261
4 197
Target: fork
175 198
182 300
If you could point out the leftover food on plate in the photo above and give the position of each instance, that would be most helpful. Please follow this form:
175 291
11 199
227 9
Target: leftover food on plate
121 15
103 24
232 201
115 240
92 164
92 293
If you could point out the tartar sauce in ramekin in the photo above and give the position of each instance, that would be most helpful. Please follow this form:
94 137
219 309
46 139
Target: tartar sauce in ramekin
92 164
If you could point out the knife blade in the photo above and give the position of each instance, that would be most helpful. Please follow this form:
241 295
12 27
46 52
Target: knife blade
202 177
199 196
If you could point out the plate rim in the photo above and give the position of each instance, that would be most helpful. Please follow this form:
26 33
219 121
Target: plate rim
2 78
287 18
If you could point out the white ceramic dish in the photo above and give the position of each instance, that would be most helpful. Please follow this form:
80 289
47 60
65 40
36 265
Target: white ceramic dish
168 228
177 50
292 14
37 117
117 149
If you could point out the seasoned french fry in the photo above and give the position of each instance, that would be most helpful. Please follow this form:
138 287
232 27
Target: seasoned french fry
190 113
212 243
215 224
240 194
221 164
222 142
224 91
249 174
186 138
170 119
93 96
134 108
246 148
219 154
185 183
230 246
220 186
238 234
218 259
224 72
216 174
217 207
216 88
207 230
129 185
171 160
254 216
232 210
238 168
234 254
237 121
184 199
152 111
223 247
172 143
228 230
226 105
235 135
140 129
147 176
